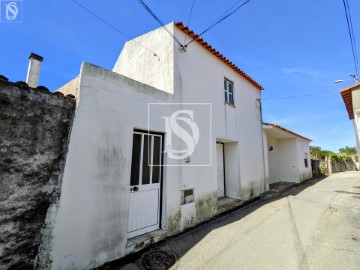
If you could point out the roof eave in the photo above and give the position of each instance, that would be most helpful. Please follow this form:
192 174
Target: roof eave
217 54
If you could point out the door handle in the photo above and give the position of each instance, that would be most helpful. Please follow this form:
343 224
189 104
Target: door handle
135 189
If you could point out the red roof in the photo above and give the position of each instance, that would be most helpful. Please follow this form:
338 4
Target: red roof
287 130
207 46
347 97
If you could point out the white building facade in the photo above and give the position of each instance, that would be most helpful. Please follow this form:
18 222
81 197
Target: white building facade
121 188
287 154
351 98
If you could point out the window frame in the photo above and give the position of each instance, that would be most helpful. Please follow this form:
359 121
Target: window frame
229 91
150 158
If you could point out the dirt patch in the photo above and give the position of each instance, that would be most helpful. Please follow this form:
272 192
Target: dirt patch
355 238
356 187
356 197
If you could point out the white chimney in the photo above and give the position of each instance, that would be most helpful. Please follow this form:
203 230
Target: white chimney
32 78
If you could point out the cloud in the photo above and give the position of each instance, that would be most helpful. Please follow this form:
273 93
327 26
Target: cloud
313 73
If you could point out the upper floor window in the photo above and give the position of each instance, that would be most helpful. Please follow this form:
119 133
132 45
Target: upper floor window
229 91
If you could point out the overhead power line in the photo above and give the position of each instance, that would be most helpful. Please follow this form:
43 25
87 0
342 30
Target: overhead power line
113 27
233 9
188 23
299 96
352 38
159 21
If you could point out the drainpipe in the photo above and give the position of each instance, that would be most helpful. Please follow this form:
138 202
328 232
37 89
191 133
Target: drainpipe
262 143
33 75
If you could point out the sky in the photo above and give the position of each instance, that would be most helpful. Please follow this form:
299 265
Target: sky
292 48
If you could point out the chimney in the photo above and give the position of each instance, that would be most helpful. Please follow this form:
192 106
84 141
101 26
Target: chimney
33 74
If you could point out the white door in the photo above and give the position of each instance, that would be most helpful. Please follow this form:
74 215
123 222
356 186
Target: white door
220 170
145 195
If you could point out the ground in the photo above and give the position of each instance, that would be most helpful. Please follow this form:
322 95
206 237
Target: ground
314 225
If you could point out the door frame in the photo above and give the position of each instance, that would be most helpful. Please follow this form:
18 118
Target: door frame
160 206
223 158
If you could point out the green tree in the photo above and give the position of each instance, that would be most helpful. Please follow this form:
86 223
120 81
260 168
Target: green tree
316 152
348 150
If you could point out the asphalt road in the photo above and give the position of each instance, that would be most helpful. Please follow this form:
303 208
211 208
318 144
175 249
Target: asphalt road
315 225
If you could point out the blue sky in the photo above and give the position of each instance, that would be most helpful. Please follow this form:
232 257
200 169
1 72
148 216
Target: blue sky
292 48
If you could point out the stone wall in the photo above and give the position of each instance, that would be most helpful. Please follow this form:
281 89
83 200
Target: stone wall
34 132
329 165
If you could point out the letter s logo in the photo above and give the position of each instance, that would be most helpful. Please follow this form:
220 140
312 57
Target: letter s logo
172 126
11 11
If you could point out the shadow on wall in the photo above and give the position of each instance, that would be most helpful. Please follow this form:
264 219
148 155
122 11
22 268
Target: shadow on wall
180 244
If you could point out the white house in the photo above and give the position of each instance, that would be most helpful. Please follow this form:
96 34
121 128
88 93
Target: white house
127 182
288 155
351 98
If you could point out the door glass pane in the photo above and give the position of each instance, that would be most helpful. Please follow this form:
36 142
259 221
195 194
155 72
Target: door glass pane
230 87
135 161
231 99
156 160
225 96
146 160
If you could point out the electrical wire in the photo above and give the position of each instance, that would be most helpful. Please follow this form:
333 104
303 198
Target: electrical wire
159 21
233 9
188 24
352 38
299 96
113 27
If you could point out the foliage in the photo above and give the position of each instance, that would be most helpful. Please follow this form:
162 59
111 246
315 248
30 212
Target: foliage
348 150
346 154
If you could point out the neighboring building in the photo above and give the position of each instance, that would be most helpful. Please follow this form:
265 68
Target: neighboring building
288 155
351 97
112 202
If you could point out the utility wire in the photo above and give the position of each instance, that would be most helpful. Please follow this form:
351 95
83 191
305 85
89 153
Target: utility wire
113 27
352 38
299 96
159 21
188 24
233 9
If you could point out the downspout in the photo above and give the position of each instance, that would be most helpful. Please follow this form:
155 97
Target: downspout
262 143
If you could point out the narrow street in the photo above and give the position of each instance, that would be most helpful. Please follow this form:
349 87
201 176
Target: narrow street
314 225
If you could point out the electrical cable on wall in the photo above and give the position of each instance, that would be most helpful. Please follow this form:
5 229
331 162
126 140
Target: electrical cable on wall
160 22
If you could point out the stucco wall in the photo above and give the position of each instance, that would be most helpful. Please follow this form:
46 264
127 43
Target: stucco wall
302 148
199 77
138 61
33 143
274 159
288 160
356 121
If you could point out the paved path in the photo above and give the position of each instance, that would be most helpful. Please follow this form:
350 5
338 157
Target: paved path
312 226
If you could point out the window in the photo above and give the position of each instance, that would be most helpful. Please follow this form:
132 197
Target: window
229 91
306 160
146 159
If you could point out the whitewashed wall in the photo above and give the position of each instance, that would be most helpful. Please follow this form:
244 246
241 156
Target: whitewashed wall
274 160
94 204
199 77
302 148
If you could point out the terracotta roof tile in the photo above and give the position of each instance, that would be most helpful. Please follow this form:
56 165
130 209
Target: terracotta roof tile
287 130
347 97
207 46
